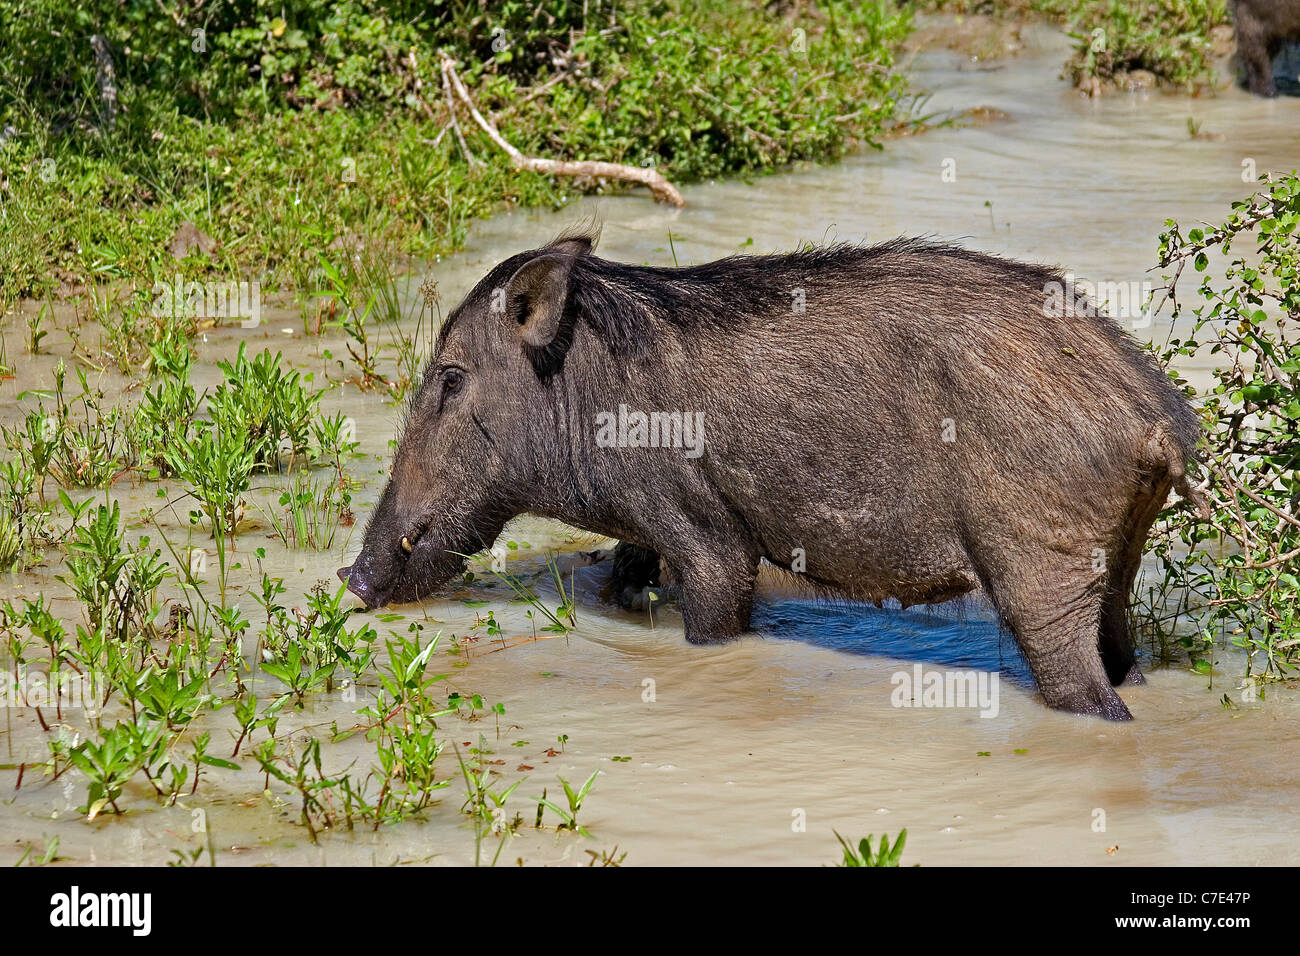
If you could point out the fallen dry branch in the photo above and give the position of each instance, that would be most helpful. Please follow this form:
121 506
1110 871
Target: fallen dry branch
663 190
451 110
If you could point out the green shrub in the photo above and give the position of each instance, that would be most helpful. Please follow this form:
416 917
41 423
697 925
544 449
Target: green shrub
1171 39
1168 38
278 141
1241 563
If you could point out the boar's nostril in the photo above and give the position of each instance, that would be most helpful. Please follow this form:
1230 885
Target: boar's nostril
362 589
343 573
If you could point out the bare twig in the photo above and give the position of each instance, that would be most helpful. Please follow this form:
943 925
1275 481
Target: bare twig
106 78
663 190
451 109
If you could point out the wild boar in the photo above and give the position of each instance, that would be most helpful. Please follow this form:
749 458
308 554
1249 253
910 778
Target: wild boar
1262 27
908 420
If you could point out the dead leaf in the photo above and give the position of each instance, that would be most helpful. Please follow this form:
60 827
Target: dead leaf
188 238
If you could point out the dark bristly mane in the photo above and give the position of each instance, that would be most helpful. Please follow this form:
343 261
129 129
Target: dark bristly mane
618 303
627 306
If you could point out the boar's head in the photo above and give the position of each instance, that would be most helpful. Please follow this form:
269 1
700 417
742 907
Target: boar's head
481 433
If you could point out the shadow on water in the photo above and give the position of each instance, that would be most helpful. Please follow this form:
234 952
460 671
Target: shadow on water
959 635
1286 71
962 635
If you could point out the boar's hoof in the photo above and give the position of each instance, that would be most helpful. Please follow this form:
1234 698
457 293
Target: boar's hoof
1134 677
1112 708
1102 702
633 570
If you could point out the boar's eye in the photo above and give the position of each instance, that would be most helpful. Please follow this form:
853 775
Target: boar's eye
452 380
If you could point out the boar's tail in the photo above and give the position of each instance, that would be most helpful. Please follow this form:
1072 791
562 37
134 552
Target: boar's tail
1169 450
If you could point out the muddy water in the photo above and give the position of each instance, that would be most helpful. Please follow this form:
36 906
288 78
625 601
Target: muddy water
755 752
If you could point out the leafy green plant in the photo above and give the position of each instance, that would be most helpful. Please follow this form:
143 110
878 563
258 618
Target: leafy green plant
1239 561
575 800
862 854
217 464
485 806
173 694
271 409
111 760
304 650
166 414
116 584
311 512
296 671
304 773
78 443
35 446
23 527
404 730
334 440
11 536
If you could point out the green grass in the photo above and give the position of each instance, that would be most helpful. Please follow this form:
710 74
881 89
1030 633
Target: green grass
864 855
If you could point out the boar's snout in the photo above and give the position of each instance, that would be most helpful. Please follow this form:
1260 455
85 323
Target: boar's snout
360 584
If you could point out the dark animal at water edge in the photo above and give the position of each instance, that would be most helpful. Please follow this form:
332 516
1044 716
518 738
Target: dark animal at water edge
1263 26
908 420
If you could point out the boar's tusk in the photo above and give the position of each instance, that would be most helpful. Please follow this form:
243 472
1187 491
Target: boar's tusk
406 545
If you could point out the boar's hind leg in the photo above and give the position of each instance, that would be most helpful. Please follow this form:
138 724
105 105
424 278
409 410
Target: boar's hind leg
1116 642
1053 607
1115 639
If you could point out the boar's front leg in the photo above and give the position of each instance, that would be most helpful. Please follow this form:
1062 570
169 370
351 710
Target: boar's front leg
717 592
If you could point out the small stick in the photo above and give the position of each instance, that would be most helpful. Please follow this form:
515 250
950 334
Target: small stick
663 190
451 109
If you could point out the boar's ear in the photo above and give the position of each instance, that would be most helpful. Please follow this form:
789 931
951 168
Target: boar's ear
571 246
538 293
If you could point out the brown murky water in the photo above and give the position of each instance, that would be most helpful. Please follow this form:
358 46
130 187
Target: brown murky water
755 752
